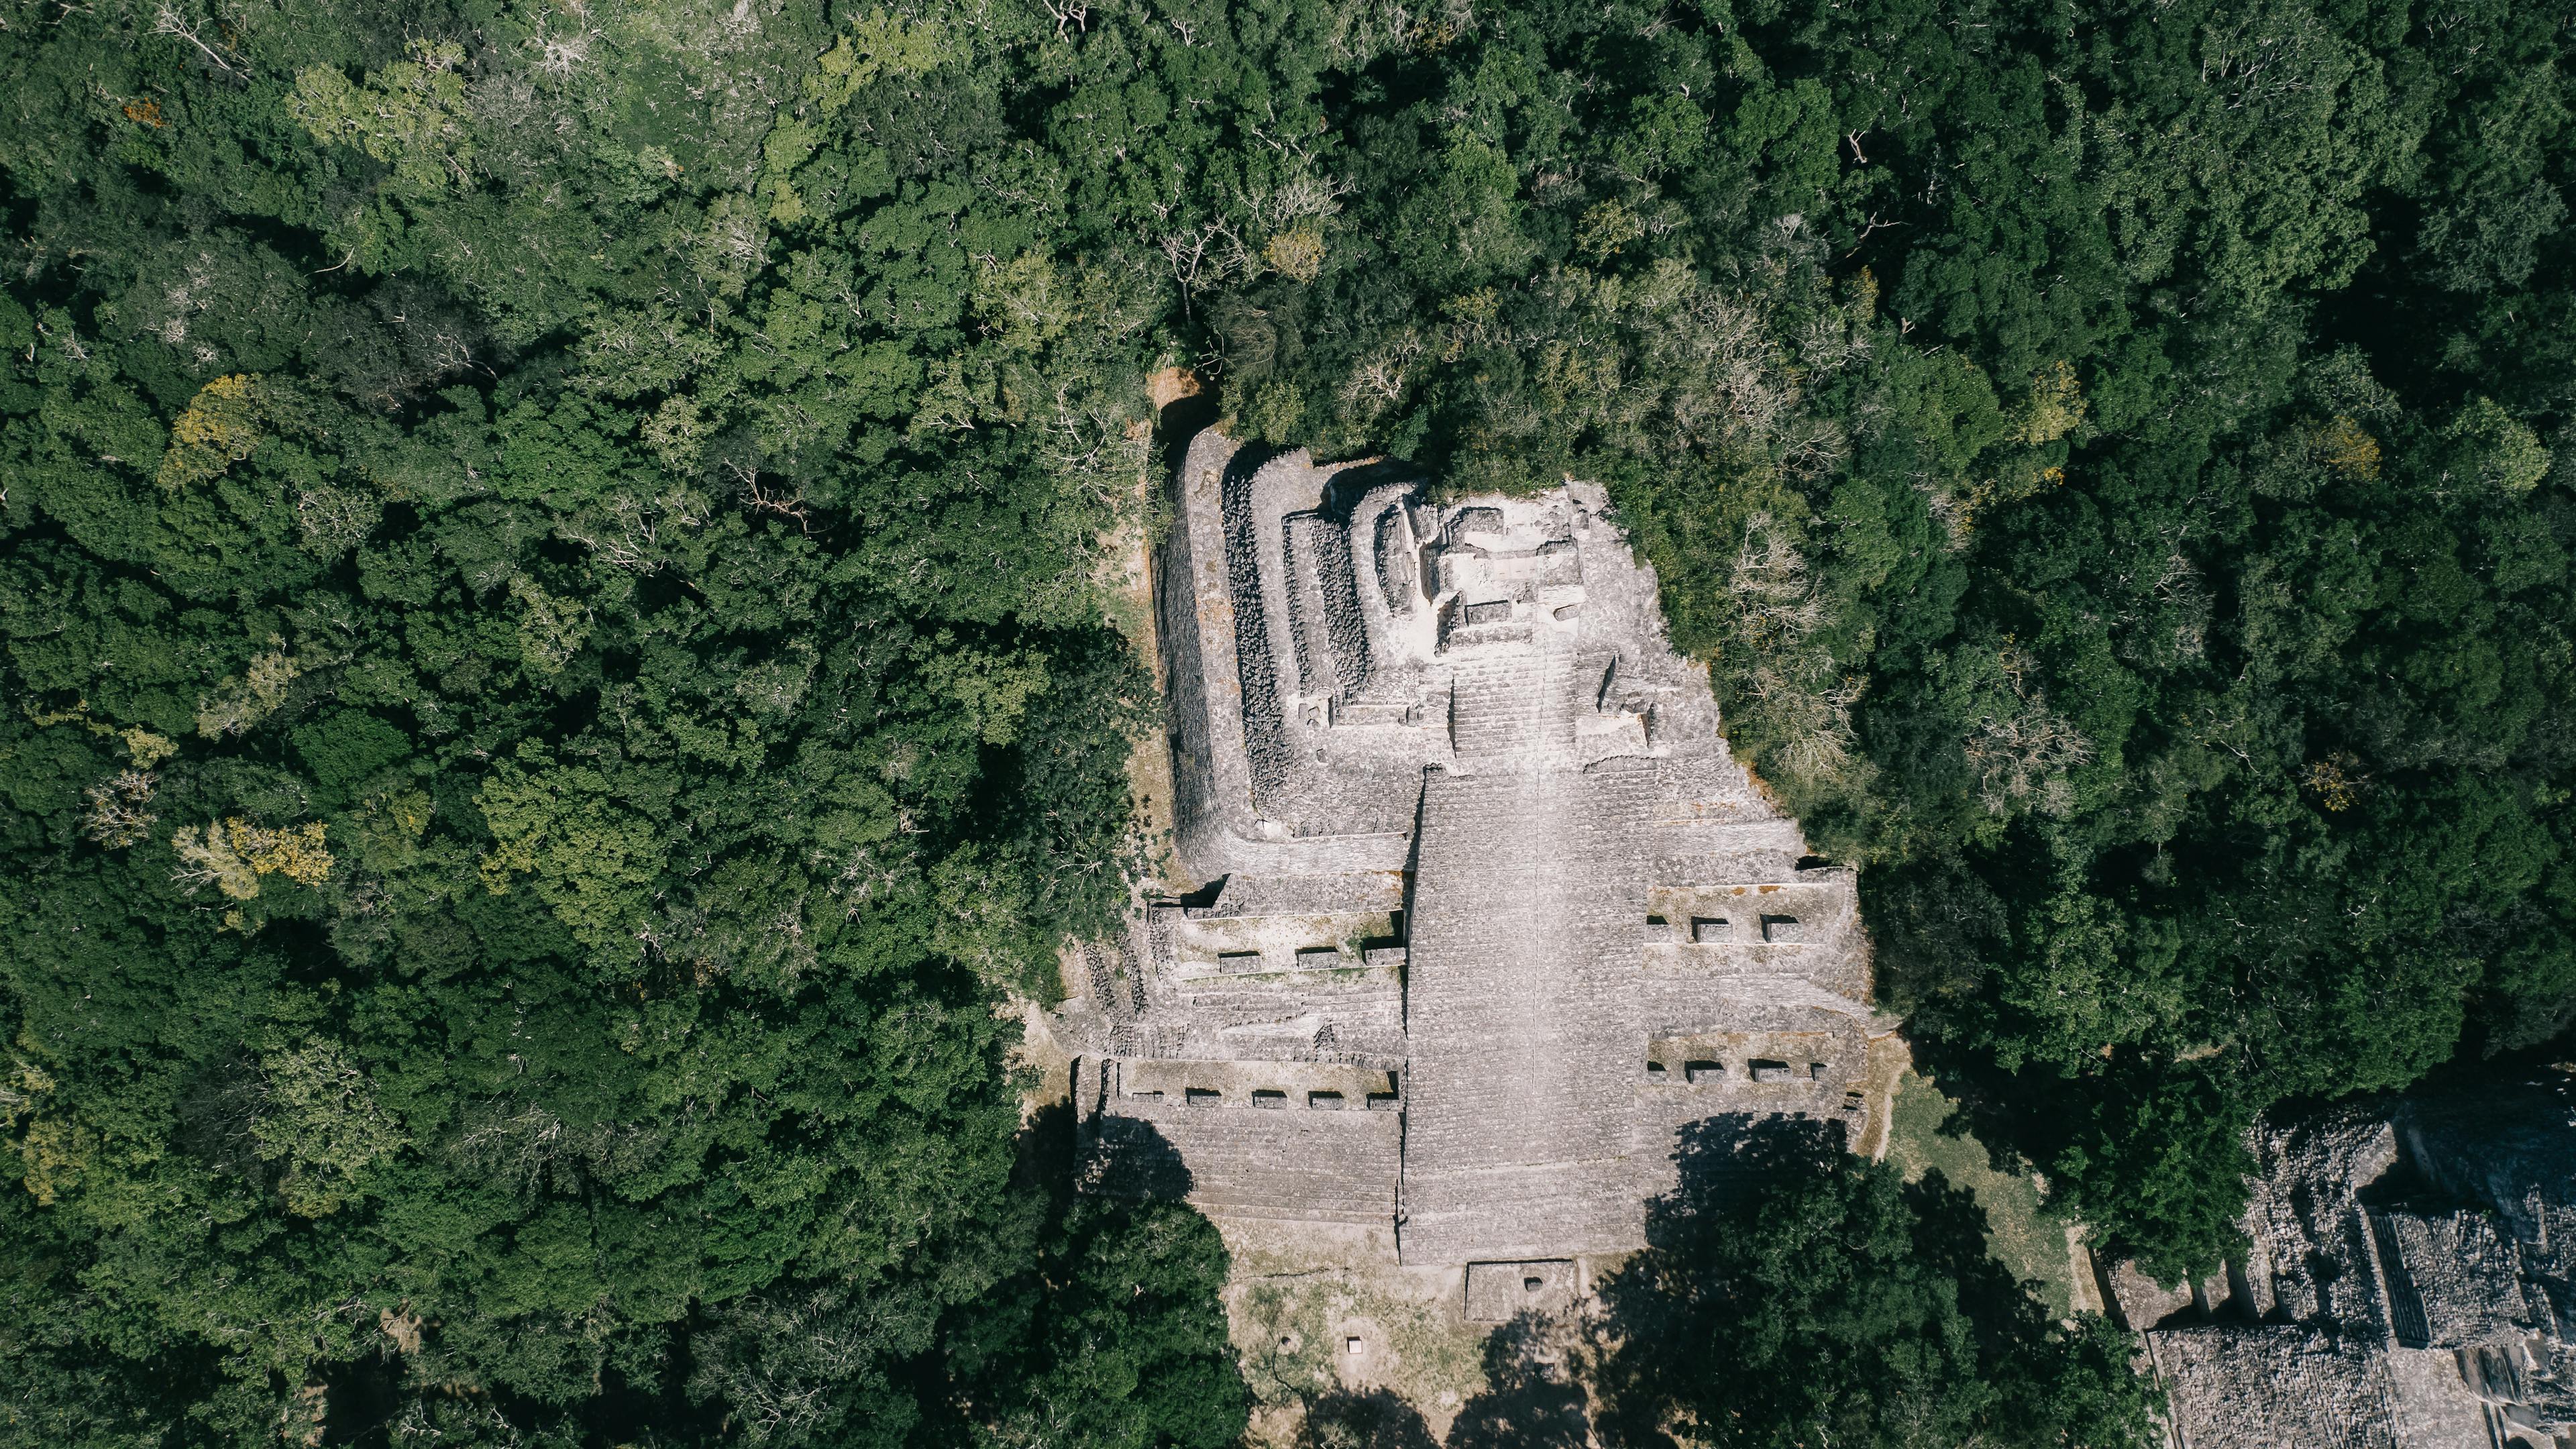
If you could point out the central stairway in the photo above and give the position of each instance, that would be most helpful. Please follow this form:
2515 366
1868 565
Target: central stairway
1515 711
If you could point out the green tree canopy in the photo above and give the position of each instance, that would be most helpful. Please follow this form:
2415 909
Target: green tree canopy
551 607
1793 1294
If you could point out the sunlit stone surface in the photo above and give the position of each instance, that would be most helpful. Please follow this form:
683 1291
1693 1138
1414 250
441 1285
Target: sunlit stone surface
1489 914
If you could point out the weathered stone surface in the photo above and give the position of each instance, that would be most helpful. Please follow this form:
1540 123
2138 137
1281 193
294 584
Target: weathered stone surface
2273 1385
2407 1284
1499 1292
1524 1055
1470 827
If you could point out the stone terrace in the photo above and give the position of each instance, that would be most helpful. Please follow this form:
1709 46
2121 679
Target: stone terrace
1489 914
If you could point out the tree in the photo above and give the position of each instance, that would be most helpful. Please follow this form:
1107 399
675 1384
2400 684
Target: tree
1117 1339
1793 1294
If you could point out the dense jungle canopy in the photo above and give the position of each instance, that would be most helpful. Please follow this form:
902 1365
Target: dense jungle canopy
556 679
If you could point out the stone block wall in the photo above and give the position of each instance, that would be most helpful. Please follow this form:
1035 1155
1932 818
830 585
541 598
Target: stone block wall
1238 1151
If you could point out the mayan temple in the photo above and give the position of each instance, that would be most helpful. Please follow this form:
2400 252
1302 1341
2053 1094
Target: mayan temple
1486 913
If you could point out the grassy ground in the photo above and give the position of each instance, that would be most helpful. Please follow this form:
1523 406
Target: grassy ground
1124 577
1415 1356
2021 1230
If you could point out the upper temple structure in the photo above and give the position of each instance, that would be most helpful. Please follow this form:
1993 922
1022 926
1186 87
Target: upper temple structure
1487 914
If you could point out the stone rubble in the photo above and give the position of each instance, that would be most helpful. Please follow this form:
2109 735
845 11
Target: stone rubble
2410 1283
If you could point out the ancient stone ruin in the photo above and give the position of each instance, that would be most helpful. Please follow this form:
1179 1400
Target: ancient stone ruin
1488 915
2411 1284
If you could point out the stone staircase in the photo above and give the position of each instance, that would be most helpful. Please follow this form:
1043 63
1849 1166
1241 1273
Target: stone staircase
1513 710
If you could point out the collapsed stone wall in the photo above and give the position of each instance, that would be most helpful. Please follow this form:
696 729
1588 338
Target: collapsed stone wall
2402 1285
1265 737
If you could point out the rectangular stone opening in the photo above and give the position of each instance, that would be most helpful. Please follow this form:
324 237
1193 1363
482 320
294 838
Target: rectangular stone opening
1324 1101
1238 961
1269 1097
1703 1071
1815 1071
1318 958
1376 943
1764 1070
1202 1096
1500 1292
1381 1101
1498 611
1655 1072
1710 928
1782 928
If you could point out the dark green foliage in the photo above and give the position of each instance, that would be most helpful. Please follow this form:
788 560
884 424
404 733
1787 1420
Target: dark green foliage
555 676
2111 459
1116 1338
1797 1295
534 751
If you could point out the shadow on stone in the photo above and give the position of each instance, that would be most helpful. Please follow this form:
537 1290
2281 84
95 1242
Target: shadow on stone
1205 895
1532 1400
1668 1313
1181 419
1132 1158
1370 1419
1723 1161
1352 484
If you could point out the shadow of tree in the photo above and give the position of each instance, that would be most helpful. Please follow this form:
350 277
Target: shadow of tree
1792 1293
1723 1164
1130 1157
1044 1152
1651 1307
1363 1419
1532 1399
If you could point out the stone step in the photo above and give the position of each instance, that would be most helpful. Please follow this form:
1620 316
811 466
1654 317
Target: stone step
1511 706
